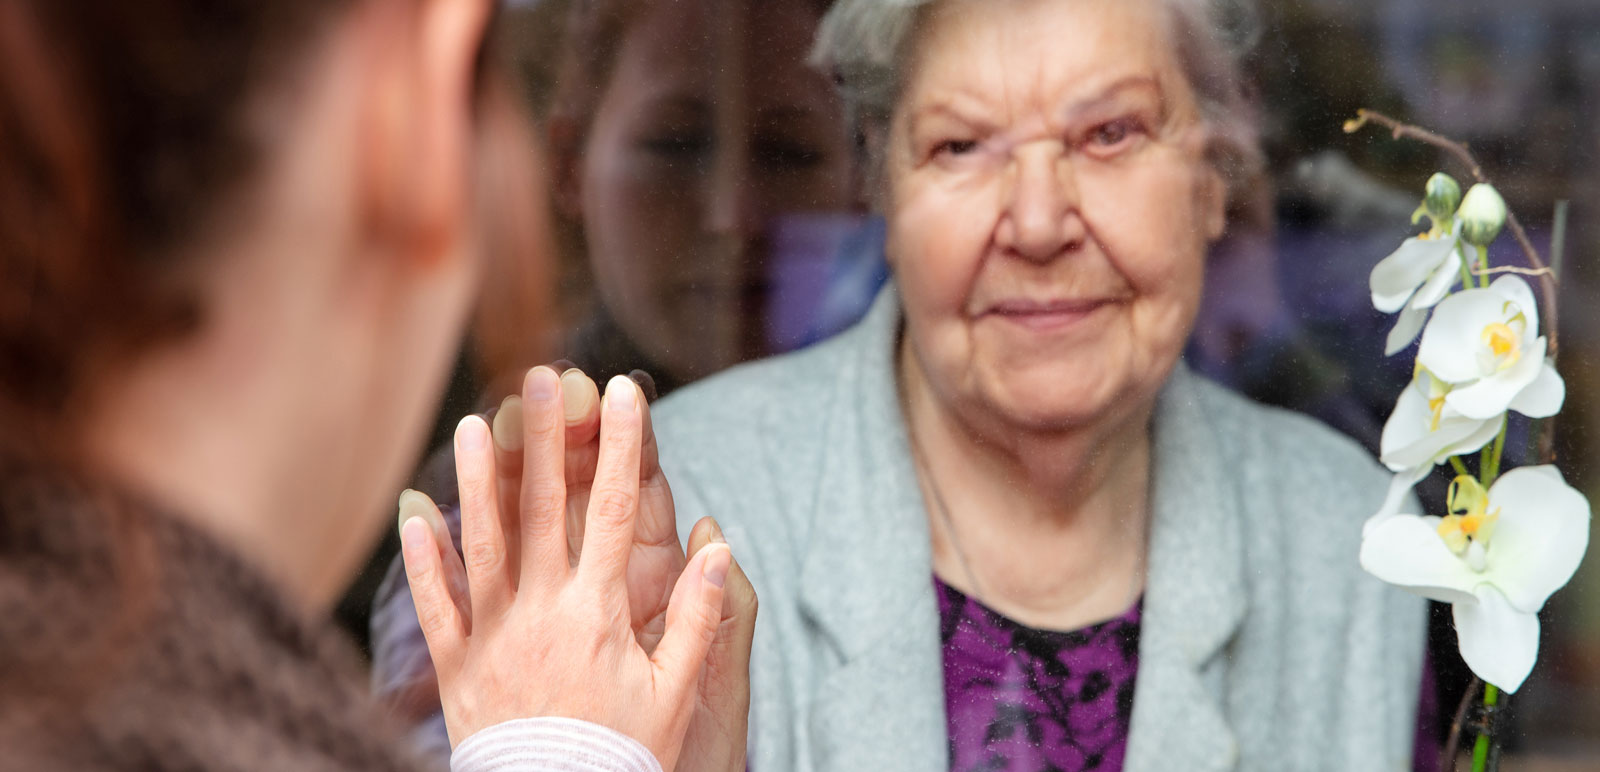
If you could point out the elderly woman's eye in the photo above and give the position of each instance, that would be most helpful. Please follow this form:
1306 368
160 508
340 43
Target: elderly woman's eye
1114 134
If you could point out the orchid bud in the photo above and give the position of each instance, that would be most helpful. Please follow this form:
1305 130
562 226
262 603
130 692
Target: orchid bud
1444 195
1483 214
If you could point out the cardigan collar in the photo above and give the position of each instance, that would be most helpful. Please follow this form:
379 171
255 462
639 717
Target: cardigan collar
867 582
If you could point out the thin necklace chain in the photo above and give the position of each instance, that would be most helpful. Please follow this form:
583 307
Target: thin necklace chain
949 527
943 512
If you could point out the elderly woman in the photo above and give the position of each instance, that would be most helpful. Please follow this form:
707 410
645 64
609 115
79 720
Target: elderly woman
998 524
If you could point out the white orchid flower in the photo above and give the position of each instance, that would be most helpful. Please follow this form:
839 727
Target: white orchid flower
1485 344
1414 279
1425 430
1480 356
1496 559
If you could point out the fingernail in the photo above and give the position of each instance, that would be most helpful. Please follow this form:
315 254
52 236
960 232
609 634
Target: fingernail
507 428
645 382
622 396
716 567
542 383
416 504
576 396
414 537
716 533
472 433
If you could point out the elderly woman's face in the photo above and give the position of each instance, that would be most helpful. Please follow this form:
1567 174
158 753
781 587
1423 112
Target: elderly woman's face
1049 207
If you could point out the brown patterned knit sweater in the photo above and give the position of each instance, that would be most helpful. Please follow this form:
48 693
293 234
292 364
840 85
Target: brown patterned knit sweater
211 670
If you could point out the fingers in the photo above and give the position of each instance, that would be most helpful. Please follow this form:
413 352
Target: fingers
650 459
506 429
417 504
483 541
544 487
442 626
658 522
646 383
693 613
739 603
739 607
614 499
580 402
581 408
730 649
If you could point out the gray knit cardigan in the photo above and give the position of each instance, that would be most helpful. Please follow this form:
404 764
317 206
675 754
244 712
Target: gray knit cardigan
1264 646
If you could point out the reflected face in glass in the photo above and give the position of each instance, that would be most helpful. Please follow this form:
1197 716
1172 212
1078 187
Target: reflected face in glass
704 135
1049 208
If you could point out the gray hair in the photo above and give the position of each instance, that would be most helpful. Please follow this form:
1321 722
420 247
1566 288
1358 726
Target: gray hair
865 46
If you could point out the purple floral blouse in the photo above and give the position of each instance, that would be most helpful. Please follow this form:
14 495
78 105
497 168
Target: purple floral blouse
1019 698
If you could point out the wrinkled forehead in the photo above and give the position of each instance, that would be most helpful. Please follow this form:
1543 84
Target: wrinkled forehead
1021 58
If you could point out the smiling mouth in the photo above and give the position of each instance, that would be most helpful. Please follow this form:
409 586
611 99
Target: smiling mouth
1045 316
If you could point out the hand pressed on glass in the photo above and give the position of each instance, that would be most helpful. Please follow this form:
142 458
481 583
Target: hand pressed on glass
546 636
715 740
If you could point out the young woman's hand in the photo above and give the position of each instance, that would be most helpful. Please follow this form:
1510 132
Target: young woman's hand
542 635
716 737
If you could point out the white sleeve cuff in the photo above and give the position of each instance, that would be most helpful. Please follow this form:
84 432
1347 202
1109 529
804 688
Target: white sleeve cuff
551 745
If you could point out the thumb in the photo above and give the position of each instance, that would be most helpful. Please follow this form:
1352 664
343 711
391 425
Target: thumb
693 613
730 649
728 663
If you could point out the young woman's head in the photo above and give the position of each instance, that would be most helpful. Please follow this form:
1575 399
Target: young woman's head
680 131
239 240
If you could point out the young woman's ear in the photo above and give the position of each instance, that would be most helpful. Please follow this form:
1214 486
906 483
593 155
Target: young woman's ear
420 123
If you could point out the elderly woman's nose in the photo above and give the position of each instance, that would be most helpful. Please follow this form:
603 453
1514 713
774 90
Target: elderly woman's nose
1041 217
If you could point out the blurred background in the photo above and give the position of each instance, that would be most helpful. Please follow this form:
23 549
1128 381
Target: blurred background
707 206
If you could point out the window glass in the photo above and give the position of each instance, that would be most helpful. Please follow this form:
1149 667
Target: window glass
711 204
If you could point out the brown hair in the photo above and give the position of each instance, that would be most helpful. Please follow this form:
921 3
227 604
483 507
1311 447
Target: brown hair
121 133
124 135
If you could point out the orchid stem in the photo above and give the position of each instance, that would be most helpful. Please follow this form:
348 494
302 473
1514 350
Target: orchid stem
1558 238
1490 464
1461 469
1461 154
1483 266
1480 748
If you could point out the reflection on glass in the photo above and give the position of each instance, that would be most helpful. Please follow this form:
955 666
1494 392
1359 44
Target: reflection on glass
701 168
